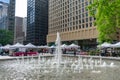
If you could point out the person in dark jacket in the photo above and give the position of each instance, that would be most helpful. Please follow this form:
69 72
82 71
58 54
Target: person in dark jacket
74 52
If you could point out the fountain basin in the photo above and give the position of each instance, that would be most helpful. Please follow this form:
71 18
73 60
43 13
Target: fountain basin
31 69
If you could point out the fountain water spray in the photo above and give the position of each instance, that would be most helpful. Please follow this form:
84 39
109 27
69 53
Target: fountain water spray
55 68
58 52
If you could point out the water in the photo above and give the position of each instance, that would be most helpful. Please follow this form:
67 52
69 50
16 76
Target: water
73 68
59 68
58 51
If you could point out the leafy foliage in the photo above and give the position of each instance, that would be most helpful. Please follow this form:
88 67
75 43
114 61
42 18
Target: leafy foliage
107 14
6 37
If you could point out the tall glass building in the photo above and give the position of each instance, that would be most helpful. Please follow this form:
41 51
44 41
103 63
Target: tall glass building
37 21
3 15
11 15
9 12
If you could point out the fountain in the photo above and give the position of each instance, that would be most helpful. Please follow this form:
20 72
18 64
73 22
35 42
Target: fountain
58 67
58 52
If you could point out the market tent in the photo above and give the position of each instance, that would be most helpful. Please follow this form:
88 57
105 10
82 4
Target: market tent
45 46
6 46
17 45
53 46
105 45
64 46
117 45
29 45
73 46
20 47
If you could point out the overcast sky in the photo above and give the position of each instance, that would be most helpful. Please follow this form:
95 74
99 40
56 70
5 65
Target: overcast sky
7 1
21 8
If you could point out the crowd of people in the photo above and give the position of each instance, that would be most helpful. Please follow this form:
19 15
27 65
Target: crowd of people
103 52
110 52
16 51
4 52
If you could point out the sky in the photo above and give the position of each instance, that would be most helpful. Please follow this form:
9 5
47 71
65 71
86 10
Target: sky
7 1
21 8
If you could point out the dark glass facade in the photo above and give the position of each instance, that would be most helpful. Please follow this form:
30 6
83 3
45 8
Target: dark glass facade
11 15
37 21
3 15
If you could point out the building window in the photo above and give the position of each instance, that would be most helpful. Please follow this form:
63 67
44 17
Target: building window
90 24
86 19
82 25
79 26
86 25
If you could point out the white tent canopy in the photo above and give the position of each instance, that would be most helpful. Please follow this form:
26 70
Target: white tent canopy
73 46
6 46
43 46
29 45
17 45
105 45
116 45
52 46
64 46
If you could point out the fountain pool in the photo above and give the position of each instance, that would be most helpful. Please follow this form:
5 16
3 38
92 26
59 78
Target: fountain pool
58 67
72 68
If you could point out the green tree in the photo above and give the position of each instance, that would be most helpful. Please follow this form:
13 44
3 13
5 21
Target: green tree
107 15
6 37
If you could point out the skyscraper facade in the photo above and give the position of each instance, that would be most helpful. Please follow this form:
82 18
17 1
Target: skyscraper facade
18 30
25 27
71 19
3 15
37 21
11 15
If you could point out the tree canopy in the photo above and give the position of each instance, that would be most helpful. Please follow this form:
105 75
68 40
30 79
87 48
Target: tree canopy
107 15
6 37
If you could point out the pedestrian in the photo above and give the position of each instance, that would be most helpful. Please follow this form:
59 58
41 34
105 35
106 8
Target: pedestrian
74 52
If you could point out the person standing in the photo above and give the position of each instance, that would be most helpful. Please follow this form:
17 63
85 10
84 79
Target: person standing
74 52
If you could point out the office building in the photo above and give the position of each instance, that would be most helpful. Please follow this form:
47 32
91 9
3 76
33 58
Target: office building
3 15
25 27
11 15
37 21
71 19
18 31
